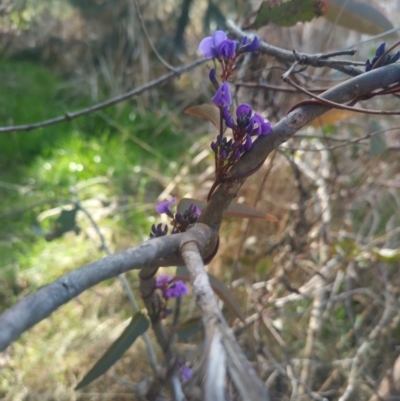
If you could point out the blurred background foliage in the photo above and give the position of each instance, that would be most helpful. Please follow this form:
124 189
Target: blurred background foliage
337 207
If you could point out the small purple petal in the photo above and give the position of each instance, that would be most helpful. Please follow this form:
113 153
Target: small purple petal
207 47
176 289
218 37
381 49
165 207
163 281
249 47
265 128
249 128
195 210
223 155
227 49
244 41
228 118
253 46
244 110
223 96
247 145
214 147
186 373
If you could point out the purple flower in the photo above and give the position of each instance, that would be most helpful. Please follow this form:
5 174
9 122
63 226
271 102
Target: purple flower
171 288
228 118
227 49
249 47
263 127
209 45
244 120
186 373
176 289
248 144
165 207
163 281
223 96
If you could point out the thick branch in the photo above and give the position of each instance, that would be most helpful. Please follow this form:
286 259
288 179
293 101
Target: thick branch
162 251
221 349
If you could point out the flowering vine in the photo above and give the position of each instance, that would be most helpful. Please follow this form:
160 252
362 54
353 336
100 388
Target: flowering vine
228 151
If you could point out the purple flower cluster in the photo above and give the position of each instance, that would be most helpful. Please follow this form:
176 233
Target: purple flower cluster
171 288
388 59
219 46
246 125
180 221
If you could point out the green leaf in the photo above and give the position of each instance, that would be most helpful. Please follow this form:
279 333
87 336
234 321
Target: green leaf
189 328
286 14
219 288
138 325
355 15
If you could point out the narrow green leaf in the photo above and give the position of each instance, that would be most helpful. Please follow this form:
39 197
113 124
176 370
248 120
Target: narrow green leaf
137 326
357 16
219 288
286 14
189 328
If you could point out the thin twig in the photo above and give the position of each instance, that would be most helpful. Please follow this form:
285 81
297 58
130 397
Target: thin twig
338 105
313 60
107 103
276 87
144 29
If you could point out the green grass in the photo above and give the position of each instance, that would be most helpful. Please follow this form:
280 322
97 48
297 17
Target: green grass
119 148
115 162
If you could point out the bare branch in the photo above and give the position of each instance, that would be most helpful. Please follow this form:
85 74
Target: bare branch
215 358
162 251
313 60
107 103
